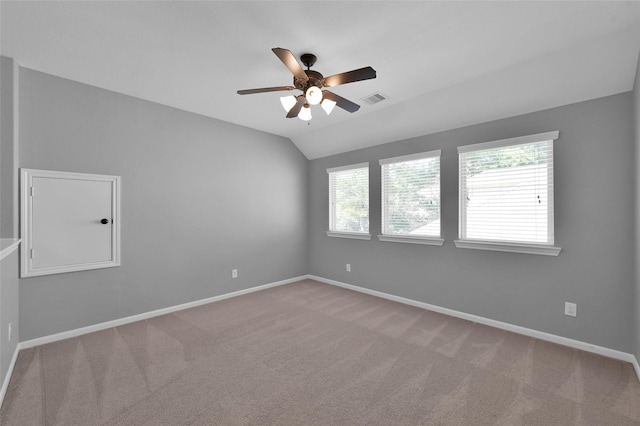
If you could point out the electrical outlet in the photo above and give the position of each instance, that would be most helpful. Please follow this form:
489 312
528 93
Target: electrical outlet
9 332
570 309
234 273
348 267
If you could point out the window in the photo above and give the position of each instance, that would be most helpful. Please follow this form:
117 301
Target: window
349 201
411 198
506 195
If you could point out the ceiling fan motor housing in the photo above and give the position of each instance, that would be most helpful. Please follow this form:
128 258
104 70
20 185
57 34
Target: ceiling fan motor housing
315 78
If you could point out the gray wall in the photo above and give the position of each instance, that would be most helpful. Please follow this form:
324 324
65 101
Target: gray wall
594 210
8 311
8 176
214 196
9 302
636 115
199 198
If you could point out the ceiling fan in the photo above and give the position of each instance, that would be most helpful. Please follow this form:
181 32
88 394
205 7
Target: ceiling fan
311 84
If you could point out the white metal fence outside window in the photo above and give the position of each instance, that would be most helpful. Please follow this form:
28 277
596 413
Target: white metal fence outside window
506 191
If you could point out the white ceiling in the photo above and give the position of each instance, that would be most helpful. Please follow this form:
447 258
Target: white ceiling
442 65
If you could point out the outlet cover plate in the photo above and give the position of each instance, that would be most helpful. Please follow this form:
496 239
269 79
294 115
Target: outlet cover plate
570 309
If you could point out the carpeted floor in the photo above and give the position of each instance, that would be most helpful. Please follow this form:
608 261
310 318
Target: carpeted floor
314 354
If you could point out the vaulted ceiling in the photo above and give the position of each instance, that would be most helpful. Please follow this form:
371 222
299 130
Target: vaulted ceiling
441 65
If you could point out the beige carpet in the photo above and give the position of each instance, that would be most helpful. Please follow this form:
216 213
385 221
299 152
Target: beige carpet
313 354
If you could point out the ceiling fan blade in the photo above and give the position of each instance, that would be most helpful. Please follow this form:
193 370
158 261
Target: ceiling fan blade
265 89
365 73
293 112
290 62
343 103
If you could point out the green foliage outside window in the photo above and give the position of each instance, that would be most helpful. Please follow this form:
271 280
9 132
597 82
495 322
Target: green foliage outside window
513 156
352 201
412 196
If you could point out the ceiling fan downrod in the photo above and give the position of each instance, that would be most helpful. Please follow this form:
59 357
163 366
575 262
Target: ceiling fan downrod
308 59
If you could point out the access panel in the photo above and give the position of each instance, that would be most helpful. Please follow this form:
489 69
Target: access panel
70 222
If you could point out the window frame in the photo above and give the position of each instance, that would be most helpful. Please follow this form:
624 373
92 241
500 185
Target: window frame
404 238
548 248
332 232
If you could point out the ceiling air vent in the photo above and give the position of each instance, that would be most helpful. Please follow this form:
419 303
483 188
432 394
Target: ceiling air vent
374 98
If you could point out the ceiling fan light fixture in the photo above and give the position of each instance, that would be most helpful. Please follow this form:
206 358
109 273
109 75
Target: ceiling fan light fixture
311 83
288 102
327 105
305 113
313 95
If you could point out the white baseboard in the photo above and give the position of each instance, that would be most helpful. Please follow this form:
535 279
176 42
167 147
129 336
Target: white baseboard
611 353
5 383
122 321
127 320
636 366
576 344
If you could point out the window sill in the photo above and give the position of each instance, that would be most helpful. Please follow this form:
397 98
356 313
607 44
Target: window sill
432 241
509 247
352 235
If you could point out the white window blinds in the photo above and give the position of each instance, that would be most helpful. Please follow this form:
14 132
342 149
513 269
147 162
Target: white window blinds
506 190
349 198
411 195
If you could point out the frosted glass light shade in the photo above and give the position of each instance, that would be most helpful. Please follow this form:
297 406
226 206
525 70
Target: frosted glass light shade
327 105
313 95
305 113
288 102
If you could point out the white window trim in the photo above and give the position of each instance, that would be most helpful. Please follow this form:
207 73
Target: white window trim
432 241
412 239
411 157
349 167
539 137
509 247
342 234
504 246
352 235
